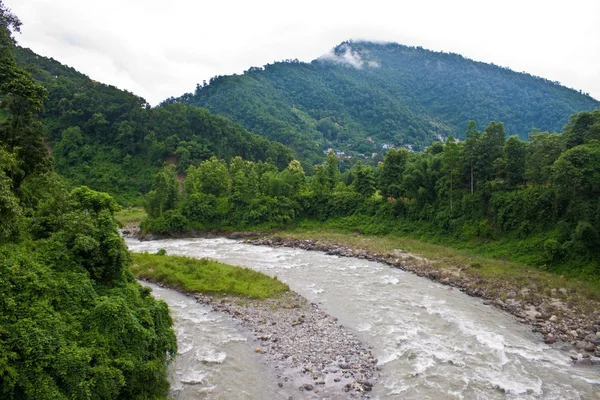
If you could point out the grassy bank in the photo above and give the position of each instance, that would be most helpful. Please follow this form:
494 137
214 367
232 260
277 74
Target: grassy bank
501 273
130 216
205 276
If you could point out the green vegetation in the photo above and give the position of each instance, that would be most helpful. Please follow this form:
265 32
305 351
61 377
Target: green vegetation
219 195
74 323
205 276
366 95
130 216
113 141
535 203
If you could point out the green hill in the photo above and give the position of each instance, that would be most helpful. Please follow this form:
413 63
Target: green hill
364 96
112 140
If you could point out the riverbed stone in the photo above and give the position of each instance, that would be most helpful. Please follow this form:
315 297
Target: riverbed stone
580 345
307 386
309 344
590 347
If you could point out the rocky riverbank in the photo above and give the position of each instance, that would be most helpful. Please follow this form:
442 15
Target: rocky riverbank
309 350
550 314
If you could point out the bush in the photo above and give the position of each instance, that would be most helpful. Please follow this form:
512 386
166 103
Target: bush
552 249
586 235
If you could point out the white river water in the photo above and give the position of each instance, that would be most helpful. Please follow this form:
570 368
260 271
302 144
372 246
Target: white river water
432 342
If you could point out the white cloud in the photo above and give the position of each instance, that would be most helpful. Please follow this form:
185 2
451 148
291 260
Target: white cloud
348 57
160 49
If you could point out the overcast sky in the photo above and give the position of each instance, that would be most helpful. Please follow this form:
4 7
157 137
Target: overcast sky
159 49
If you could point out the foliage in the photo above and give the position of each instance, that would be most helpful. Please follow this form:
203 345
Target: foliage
112 140
487 189
130 216
392 95
193 275
74 324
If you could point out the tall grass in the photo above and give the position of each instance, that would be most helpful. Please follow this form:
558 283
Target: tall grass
130 216
205 276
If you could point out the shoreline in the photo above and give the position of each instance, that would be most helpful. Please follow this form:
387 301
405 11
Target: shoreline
550 316
308 350
558 322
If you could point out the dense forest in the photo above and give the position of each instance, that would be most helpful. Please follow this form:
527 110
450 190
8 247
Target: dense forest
535 202
113 141
365 97
74 323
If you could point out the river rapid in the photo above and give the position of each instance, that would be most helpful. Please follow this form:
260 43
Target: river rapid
432 342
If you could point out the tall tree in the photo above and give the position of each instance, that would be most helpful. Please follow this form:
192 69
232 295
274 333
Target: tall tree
23 98
472 136
210 177
164 193
489 149
390 175
451 157
514 154
542 151
364 181
582 128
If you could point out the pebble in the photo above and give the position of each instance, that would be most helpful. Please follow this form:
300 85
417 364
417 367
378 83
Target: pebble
303 344
591 347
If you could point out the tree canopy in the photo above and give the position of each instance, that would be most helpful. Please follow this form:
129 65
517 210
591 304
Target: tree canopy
74 323
393 95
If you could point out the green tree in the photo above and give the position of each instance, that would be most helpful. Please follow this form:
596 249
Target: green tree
364 181
23 99
326 176
543 150
244 181
514 154
582 128
69 149
451 157
390 175
74 324
294 177
489 150
210 177
332 170
10 211
472 136
576 173
165 192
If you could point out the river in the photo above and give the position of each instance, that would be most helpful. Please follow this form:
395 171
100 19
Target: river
432 342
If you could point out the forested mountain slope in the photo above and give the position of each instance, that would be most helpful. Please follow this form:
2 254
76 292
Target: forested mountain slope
112 140
365 95
74 323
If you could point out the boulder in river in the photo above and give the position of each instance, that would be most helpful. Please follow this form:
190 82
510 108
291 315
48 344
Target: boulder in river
550 340
590 347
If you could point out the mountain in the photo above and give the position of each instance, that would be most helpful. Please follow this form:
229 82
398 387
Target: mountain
112 140
366 96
